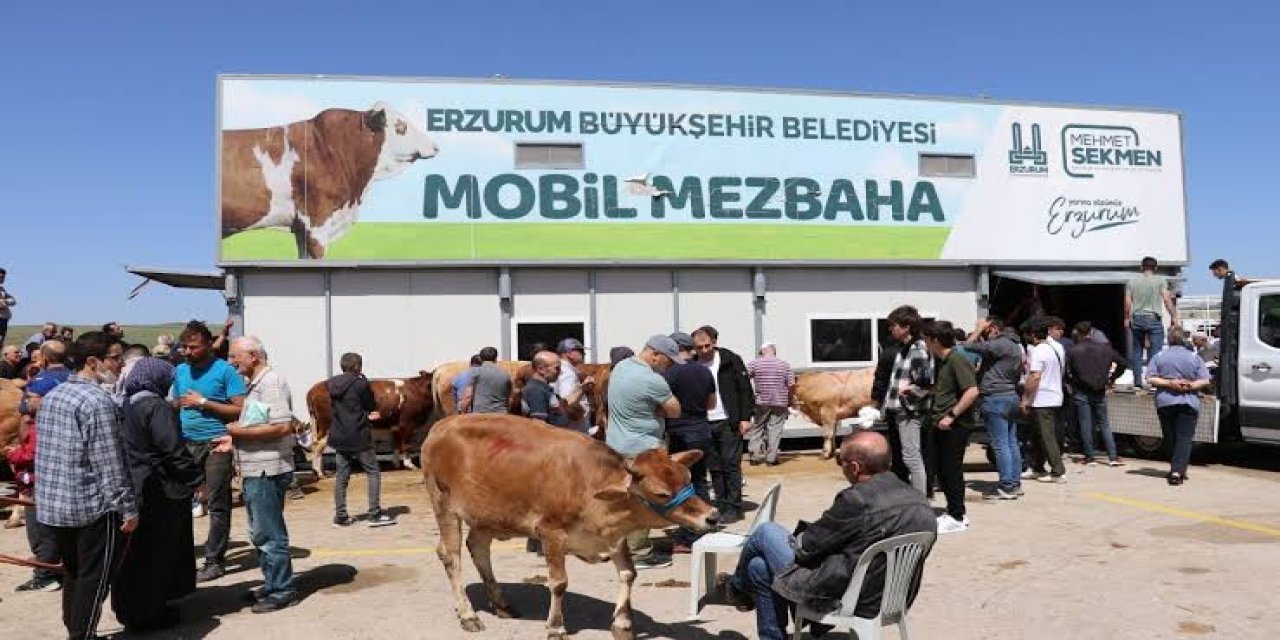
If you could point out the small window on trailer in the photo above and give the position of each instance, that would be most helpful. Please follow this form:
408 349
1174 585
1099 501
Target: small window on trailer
947 165
550 155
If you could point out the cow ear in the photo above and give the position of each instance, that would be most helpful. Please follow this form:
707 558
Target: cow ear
687 458
376 118
617 491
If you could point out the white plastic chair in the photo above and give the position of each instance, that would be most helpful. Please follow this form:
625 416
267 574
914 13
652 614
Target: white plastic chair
702 564
903 556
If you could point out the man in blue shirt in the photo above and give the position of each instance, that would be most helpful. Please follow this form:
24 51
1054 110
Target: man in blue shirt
462 381
1179 375
210 393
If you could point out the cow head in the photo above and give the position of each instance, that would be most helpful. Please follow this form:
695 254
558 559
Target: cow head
663 483
402 144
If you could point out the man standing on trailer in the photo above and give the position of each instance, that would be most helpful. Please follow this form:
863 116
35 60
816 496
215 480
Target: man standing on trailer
1144 296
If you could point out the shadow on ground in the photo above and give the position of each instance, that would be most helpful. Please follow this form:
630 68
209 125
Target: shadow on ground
531 602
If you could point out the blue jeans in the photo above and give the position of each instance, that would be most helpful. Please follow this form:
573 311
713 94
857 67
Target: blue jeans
767 551
1002 431
693 439
1091 410
264 503
1178 424
1142 326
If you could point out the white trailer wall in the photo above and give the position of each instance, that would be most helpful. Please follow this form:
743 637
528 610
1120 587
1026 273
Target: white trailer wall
453 314
372 316
797 295
550 295
721 298
631 305
285 310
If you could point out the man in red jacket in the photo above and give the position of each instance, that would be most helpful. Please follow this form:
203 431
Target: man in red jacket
22 457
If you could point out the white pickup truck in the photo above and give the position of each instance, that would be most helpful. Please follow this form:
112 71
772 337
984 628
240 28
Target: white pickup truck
1246 406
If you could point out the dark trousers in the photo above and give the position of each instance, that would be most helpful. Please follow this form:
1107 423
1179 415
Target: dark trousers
344 461
1178 423
44 545
1091 409
217 475
4 329
88 555
726 465
1044 424
949 445
692 439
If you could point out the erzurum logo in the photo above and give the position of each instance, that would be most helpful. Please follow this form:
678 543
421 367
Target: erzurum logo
1077 217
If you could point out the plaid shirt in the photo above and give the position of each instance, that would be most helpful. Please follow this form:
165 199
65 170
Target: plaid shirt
80 461
913 374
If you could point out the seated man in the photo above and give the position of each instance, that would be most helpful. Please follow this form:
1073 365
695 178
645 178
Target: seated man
816 565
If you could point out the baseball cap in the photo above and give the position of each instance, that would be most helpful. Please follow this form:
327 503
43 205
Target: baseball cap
570 344
682 339
666 346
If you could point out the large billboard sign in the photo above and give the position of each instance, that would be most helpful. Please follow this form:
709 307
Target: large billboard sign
377 170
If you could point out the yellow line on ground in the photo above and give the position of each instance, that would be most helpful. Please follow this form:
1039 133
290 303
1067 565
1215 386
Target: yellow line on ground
1190 515
402 551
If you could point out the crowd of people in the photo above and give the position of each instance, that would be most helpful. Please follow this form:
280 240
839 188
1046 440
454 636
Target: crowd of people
136 441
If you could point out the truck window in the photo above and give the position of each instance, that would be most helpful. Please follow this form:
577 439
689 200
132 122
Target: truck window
1269 319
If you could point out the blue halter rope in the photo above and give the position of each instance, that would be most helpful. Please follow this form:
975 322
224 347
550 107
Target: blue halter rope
682 496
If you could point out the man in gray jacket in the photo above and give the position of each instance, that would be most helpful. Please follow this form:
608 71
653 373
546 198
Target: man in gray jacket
998 374
815 565
490 389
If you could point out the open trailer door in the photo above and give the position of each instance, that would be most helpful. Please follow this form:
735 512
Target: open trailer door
1096 296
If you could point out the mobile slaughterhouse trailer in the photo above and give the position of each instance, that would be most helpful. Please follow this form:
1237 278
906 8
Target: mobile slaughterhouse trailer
417 220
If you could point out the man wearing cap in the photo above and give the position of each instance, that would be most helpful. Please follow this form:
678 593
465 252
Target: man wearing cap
568 384
695 389
639 400
774 384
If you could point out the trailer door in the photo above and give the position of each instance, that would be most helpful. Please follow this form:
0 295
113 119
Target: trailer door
1259 367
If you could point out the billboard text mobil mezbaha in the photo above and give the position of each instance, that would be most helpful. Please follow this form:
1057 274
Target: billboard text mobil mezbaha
380 170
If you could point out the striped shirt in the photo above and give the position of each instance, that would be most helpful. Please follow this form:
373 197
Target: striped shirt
773 380
80 461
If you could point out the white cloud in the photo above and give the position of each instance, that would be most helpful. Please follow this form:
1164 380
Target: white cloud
244 107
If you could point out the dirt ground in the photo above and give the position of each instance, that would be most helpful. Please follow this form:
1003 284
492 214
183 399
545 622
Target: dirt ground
1114 553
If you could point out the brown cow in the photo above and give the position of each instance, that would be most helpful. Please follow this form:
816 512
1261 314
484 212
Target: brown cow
10 419
445 374
583 500
827 397
404 405
310 177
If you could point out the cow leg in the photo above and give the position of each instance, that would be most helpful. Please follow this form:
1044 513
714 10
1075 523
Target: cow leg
299 230
479 544
621 627
553 546
403 439
828 432
450 553
317 455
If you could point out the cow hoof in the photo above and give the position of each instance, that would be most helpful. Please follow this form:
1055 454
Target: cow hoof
622 633
472 624
557 634
505 612
408 464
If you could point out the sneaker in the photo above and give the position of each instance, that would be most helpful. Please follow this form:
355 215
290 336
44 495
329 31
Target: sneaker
1007 494
210 571
296 493
654 560
1174 479
40 584
198 510
731 517
1115 462
1090 462
1052 479
1028 475
381 519
274 602
343 521
1019 491
947 524
252 596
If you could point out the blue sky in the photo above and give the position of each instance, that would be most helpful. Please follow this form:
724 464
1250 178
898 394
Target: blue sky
107 125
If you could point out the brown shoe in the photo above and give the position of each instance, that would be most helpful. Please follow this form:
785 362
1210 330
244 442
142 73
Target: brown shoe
740 601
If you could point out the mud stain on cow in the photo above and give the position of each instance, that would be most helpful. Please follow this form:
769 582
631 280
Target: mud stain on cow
1193 628
370 577
1010 565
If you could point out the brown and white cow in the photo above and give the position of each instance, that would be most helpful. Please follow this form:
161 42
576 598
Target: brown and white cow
310 176
404 406
507 476
827 397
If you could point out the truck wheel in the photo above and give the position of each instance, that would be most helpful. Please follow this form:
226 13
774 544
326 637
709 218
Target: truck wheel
1148 446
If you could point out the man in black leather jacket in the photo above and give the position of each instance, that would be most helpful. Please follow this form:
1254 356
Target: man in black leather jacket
816 565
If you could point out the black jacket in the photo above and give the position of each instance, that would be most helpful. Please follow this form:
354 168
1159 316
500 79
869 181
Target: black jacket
352 402
828 550
1089 365
159 463
736 393
884 368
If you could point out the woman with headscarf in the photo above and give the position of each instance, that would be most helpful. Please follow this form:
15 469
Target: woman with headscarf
156 567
